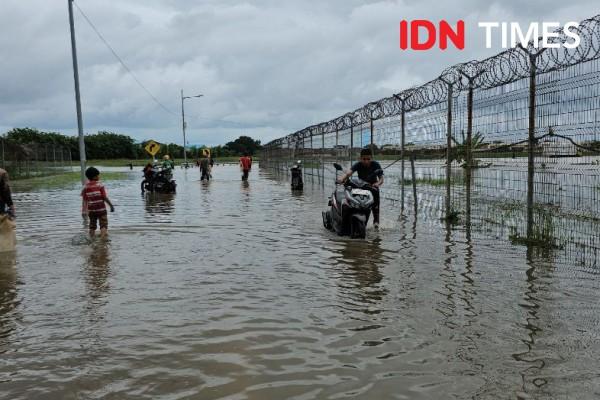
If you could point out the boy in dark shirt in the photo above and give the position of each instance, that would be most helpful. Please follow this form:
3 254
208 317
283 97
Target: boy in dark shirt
366 168
6 203
204 168
7 214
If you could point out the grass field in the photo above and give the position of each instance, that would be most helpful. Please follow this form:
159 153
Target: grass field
60 180
123 162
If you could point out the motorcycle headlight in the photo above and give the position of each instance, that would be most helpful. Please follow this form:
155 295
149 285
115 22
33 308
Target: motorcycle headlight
361 200
352 202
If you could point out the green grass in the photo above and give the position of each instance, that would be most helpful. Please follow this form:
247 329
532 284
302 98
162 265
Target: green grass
434 181
123 162
541 242
60 181
453 217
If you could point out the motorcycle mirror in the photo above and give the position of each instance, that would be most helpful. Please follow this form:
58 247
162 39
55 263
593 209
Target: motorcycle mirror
337 166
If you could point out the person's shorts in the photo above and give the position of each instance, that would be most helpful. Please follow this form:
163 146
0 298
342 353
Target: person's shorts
102 218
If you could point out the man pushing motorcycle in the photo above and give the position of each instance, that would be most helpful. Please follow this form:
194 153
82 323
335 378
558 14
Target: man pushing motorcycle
367 169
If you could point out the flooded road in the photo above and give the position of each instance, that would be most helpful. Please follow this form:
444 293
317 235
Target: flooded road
231 290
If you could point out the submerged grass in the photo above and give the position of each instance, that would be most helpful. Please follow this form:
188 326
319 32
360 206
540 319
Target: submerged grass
61 180
124 162
542 233
434 181
541 242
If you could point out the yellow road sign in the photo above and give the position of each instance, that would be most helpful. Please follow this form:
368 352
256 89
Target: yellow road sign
152 147
206 152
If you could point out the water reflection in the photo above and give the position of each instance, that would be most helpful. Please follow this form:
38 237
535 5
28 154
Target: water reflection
246 199
446 305
96 277
246 187
159 203
407 277
97 269
8 297
360 263
540 262
297 194
467 347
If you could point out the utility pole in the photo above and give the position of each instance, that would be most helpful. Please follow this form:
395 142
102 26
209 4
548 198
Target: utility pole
183 123
183 127
77 96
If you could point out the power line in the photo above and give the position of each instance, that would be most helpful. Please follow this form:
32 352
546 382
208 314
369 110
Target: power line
122 62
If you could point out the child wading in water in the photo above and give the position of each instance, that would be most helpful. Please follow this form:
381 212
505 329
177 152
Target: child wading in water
94 196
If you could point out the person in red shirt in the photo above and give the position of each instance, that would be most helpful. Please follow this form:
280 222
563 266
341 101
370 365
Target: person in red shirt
93 199
246 165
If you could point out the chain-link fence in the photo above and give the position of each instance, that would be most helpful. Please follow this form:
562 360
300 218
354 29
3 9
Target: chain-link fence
513 139
31 160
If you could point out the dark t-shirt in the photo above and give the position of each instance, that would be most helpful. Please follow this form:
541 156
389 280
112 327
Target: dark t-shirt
367 173
5 196
204 163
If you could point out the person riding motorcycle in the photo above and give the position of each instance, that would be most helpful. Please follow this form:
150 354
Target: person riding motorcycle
366 168
167 166
167 162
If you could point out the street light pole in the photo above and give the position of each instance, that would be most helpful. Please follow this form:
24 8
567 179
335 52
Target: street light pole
77 96
183 127
183 123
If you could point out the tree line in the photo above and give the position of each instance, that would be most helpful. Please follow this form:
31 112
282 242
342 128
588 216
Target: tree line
106 145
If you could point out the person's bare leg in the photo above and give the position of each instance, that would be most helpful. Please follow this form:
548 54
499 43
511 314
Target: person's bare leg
103 232
92 232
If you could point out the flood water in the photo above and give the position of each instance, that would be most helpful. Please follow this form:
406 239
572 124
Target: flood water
232 290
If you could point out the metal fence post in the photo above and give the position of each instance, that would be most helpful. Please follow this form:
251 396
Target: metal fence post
469 155
414 183
531 144
371 145
351 142
323 157
448 149
312 156
402 160
337 136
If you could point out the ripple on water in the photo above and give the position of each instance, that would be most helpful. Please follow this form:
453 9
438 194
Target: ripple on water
235 291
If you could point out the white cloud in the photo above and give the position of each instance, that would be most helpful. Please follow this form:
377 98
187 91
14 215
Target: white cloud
266 68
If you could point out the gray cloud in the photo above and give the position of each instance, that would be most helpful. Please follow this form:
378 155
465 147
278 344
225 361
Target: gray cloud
266 68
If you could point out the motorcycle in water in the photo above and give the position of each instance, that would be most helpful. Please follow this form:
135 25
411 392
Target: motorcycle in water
160 181
351 204
297 183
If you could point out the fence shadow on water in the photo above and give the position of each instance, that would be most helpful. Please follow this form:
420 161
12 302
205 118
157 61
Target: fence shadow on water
508 145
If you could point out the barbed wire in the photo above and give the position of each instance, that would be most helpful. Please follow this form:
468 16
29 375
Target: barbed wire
509 66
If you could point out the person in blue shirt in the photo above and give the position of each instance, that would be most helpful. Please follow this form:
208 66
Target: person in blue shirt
366 168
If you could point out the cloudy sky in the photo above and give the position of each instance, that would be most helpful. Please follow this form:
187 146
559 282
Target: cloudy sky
266 68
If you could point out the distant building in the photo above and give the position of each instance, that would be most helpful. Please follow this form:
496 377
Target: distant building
558 148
